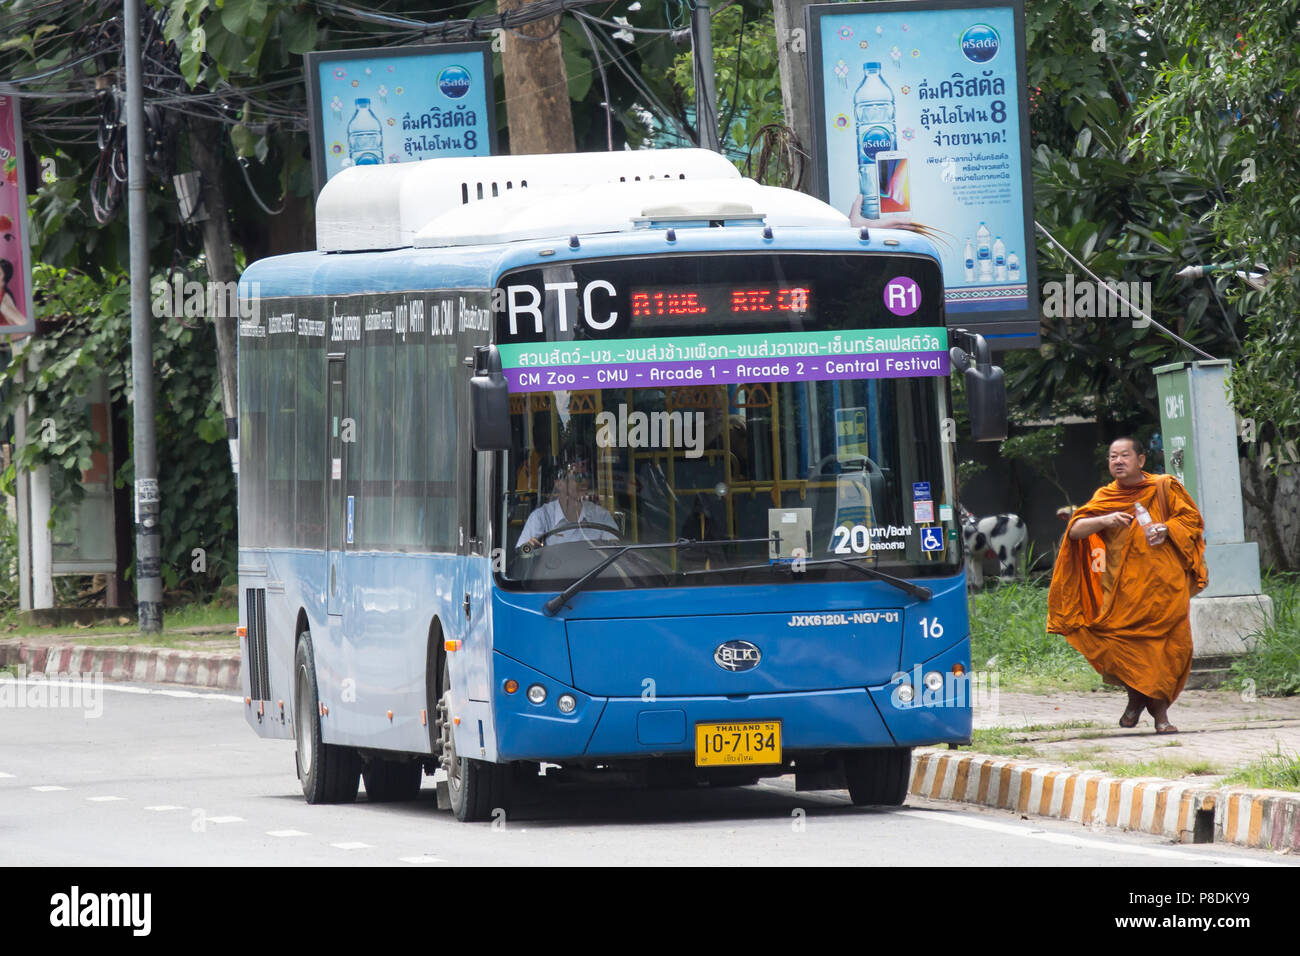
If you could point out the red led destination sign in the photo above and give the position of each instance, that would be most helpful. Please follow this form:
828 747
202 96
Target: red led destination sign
717 300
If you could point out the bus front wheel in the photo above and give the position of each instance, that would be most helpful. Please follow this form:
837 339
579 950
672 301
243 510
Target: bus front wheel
478 790
329 773
878 777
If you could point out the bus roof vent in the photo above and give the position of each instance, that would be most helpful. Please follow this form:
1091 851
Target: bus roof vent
383 207
687 214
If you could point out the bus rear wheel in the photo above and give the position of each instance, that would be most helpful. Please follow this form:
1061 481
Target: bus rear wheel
878 777
329 773
476 789
392 781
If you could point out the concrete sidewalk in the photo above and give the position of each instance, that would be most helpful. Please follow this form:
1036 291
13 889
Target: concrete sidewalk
1067 758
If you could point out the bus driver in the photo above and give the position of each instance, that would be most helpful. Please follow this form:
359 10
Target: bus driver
568 507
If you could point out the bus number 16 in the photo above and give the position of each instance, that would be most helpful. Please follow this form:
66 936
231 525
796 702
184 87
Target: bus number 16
930 627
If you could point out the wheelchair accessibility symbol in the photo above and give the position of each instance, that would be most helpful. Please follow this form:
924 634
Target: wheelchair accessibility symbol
931 539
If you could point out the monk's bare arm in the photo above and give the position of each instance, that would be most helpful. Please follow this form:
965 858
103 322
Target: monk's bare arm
1082 527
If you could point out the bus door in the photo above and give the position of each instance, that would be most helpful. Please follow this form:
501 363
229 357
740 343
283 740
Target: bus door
337 510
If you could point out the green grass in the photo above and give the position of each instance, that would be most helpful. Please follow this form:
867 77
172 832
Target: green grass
1165 767
1009 637
1011 742
1273 666
1275 771
214 617
1063 725
1000 742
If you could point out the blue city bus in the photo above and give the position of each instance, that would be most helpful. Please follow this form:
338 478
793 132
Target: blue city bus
604 462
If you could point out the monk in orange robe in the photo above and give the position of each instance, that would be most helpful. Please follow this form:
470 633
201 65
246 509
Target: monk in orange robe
1120 593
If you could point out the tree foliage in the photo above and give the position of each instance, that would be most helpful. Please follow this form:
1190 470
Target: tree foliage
87 338
1225 106
1127 215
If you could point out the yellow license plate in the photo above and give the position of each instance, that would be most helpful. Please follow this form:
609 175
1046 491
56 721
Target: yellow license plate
738 744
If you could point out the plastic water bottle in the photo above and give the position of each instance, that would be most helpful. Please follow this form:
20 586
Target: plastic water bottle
999 260
365 136
984 253
873 112
1144 518
1013 267
969 260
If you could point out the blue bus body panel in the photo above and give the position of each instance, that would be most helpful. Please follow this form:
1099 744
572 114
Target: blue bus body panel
479 267
372 658
829 681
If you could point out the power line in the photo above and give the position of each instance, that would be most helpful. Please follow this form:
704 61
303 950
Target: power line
1110 291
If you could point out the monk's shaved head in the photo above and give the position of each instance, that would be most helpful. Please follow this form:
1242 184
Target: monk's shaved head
1133 442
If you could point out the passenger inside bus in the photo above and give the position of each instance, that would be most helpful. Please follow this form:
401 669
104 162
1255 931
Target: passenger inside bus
569 516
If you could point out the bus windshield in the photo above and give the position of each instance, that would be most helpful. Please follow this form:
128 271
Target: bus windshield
781 412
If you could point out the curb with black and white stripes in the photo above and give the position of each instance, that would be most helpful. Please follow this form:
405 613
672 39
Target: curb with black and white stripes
1179 810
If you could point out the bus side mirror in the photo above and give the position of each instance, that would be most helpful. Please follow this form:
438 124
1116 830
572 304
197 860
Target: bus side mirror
986 389
489 402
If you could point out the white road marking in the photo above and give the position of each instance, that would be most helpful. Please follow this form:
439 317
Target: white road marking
421 859
352 846
165 806
5 776
128 689
104 799
225 819
48 789
286 833
1065 839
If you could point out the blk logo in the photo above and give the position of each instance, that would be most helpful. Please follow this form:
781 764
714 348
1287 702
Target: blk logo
737 656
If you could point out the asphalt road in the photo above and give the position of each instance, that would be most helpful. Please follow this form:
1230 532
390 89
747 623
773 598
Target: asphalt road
167 776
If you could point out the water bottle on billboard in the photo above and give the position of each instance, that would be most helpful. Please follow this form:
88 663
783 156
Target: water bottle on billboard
365 136
984 253
968 260
1013 267
873 112
999 260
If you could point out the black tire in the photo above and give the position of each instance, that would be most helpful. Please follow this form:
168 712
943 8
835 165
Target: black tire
392 781
477 789
329 773
878 777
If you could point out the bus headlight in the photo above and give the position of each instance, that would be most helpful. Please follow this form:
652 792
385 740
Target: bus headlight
934 681
537 694
566 703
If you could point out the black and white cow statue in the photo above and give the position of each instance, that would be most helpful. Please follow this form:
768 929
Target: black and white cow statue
1003 536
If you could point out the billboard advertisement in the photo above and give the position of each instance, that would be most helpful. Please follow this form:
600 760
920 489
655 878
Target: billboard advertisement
920 120
16 312
368 107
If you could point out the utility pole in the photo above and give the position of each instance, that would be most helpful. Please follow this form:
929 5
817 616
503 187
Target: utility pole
148 561
537 86
220 255
792 58
706 100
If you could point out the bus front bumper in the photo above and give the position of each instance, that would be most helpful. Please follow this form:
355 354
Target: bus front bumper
647 726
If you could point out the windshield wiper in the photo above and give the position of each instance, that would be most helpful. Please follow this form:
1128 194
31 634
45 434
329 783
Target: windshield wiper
557 602
918 591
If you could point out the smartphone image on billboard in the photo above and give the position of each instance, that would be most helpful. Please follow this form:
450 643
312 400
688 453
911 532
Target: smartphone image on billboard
895 188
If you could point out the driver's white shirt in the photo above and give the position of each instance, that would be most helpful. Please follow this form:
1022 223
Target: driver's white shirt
551 515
